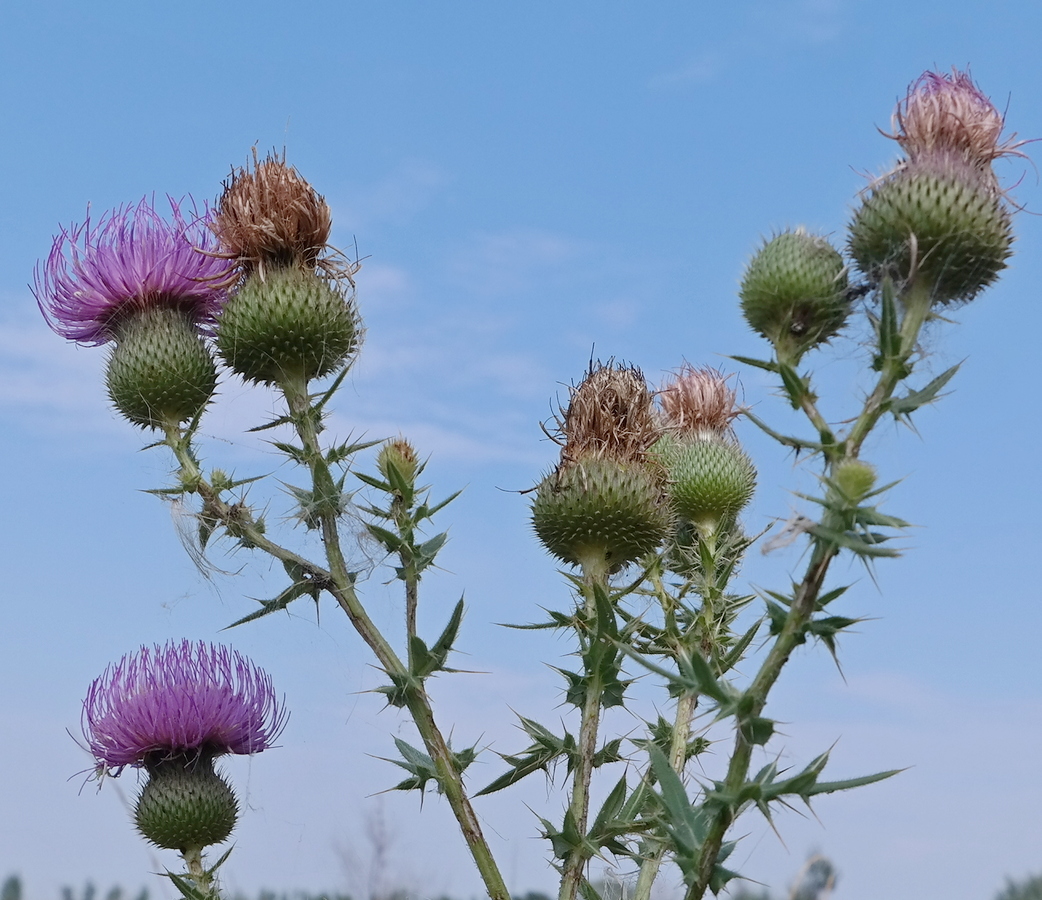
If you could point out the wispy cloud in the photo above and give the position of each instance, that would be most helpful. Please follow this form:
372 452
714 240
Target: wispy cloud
510 261
396 198
769 23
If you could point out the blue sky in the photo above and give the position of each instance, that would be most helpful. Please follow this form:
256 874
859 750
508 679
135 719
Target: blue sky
526 183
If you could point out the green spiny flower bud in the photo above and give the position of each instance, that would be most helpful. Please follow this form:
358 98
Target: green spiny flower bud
600 510
794 293
710 480
854 478
401 455
160 372
287 324
186 805
934 221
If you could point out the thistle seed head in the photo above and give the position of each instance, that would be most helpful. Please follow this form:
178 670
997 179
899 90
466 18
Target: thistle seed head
946 114
935 220
698 400
270 217
608 414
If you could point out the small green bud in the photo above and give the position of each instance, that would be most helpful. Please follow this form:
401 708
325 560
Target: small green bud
710 480
794 293
854 478
936 221
600 510
400 454
160 372
287 324
186 805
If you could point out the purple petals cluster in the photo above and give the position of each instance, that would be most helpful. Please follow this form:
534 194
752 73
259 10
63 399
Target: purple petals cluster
180 699
131 259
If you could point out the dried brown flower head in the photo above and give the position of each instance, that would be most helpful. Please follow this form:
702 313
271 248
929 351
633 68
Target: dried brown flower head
699 400
608 414
270 217
948 115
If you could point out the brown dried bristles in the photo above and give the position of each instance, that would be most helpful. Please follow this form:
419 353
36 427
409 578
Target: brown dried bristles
699 400
609 414
271 217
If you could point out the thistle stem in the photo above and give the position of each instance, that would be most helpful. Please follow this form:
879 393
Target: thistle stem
193 857
306 420
916 304
595 575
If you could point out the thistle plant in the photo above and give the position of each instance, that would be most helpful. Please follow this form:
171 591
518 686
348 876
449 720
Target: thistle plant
643 510
171 711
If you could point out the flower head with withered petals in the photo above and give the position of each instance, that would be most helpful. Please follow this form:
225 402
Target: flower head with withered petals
948 115
101 272
180 700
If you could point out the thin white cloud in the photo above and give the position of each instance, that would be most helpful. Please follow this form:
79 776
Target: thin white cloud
510 261
770 22
396 198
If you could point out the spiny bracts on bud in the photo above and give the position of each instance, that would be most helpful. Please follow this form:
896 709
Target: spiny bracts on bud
935 223
160 373
854 479
604 505
185 805
710 481
600 511
270 218
288 324
698 401
794 293
400 456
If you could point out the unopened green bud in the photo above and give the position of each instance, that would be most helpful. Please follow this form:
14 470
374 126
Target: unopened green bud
794 293
400 455
287 324
600 511
854 478
937 222
186 805
710 480
160 372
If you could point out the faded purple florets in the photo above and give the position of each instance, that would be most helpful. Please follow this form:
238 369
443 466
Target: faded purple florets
180 699
131 259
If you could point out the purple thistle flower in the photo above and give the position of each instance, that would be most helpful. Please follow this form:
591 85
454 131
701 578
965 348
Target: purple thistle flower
131 259
181 699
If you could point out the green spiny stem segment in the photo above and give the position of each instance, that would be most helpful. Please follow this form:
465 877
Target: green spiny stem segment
594 582
327 495
324 506
707 633
897 345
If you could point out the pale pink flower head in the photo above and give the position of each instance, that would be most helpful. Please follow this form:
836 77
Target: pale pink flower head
949 116
131 259
698 400
180 700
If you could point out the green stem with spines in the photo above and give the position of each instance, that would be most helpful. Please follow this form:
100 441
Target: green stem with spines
701 631
305 419
594 577
197 872
338 581
895 367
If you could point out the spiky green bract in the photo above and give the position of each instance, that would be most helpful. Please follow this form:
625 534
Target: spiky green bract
600 510
186 804
709 480
937 223
287 324
160 372
794 293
